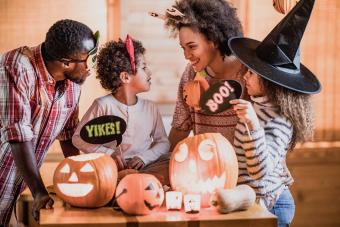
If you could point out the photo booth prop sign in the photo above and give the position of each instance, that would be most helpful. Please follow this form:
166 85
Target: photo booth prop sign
103 129
216 98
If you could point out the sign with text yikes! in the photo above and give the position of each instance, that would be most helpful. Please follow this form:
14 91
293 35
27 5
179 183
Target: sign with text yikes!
103 129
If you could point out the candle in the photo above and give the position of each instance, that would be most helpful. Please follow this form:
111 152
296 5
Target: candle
192 203
173 200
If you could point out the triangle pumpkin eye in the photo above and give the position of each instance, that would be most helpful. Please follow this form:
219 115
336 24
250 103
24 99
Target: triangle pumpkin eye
65 169
87 168
150 187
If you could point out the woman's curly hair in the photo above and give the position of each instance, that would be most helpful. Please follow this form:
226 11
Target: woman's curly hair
216 19
114 59
297 107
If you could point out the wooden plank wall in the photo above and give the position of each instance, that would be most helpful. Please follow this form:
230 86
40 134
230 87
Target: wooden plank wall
316 172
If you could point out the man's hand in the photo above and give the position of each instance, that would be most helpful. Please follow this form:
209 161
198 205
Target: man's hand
41 201
135 163
25 161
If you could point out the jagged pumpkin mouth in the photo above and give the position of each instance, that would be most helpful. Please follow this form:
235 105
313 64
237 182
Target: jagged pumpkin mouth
206 185
149 206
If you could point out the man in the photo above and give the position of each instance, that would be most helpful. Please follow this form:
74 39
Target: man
39 103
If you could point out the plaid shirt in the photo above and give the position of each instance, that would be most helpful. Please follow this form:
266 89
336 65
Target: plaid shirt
33 107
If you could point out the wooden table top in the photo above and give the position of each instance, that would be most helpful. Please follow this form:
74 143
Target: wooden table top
62 215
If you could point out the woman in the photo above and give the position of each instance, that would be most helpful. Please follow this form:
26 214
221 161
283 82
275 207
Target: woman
204 28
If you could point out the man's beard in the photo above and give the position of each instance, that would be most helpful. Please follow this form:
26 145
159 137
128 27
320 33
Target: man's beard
79 81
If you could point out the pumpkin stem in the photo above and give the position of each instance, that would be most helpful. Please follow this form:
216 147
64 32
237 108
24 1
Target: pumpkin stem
115 199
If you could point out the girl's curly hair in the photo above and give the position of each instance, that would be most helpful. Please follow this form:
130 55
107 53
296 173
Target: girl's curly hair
215 19
297 107
113 59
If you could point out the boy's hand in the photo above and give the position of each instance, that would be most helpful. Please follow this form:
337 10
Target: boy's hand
135 163
117 156
246 113
120 161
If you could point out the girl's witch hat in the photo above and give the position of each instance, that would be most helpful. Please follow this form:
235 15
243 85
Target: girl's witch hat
277 57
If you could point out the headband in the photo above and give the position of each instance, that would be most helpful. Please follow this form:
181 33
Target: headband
131 51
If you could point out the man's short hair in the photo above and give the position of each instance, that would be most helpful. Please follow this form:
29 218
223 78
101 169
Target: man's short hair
65 38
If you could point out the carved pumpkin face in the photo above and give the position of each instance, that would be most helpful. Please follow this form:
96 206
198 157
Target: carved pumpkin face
202 163
139 194
87 180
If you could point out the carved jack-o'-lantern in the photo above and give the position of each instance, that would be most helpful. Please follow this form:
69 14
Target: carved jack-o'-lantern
87 180
202 163
139 194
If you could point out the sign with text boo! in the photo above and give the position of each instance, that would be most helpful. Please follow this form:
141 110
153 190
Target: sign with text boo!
216 98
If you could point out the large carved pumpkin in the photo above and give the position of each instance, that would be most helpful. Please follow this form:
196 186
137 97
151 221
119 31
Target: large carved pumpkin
139 194
87 180
200 164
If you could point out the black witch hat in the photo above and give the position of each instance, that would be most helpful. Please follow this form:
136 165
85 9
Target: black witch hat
277 57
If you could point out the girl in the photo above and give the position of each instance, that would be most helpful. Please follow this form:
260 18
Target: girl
281 114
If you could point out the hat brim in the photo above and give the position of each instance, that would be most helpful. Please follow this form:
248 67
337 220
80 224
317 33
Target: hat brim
304 81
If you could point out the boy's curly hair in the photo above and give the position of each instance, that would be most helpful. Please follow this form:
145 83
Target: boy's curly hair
297 107
112 60
216 19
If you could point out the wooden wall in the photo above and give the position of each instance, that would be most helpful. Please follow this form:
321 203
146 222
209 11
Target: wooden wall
316 171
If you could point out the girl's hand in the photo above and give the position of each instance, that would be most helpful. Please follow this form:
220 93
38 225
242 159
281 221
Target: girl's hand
135 163
246 113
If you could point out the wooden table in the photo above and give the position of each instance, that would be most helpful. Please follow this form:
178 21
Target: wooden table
62 215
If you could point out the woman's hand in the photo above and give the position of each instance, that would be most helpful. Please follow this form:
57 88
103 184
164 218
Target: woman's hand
135 163
246 113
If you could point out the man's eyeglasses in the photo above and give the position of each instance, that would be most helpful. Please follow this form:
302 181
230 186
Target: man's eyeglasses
91 58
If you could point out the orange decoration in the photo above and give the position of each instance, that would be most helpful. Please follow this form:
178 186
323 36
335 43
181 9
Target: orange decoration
284 6
194 89
139 194
203 163
87 180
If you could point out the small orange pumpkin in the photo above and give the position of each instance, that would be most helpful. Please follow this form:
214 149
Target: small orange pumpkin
139 194
203 163
87 180
194 89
